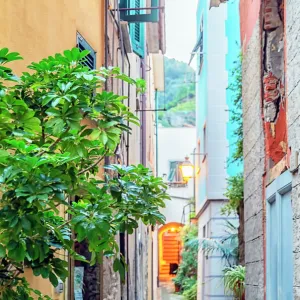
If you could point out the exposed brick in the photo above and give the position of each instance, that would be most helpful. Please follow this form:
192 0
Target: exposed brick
255 273
253 227
253 204
253 176
254 292
254 250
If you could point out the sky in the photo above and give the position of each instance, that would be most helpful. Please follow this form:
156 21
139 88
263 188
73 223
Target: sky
181 28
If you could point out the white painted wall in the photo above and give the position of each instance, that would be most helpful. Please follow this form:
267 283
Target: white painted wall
217 114
175 144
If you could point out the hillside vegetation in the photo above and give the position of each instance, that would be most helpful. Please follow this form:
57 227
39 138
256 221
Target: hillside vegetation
179 95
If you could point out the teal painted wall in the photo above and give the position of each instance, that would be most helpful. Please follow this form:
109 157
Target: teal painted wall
202 95
233 36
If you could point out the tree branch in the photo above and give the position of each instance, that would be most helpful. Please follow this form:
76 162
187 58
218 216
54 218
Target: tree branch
93 165
64 224
54 143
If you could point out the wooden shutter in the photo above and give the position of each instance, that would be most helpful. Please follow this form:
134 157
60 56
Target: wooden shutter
137 30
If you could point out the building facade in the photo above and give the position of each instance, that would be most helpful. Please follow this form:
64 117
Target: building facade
180 208
133 40
269 31
217 51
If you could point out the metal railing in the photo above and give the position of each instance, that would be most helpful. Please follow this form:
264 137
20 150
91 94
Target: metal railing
188 212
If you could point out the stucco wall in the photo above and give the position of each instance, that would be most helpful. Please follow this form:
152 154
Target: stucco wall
253 167
293 92
213 99
212 225
38 29
174 144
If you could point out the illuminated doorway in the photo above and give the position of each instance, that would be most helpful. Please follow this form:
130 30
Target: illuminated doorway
169 250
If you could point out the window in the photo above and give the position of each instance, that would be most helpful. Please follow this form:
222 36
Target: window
144 16
136 20
175 174
91 57
137 30
280 239
201 45
204 142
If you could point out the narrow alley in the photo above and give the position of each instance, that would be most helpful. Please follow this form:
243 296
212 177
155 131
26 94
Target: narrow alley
149 150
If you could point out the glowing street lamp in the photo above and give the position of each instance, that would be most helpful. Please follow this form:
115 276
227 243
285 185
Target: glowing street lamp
187 169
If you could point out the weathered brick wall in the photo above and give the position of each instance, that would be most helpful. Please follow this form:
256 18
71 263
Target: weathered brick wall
293 96
253 166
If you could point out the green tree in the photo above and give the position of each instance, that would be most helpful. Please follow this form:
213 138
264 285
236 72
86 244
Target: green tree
49 160
179 97
186 276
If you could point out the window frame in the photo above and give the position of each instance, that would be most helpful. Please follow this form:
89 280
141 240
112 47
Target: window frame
275 193
201 47
177 171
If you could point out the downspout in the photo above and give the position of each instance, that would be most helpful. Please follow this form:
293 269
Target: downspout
143 116
156 172
123 51
127 161
106 160
156 131
135 265
194 181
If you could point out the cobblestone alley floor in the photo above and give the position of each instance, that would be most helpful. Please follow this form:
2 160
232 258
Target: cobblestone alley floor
166 292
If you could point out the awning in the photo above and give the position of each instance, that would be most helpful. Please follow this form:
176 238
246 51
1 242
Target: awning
216 3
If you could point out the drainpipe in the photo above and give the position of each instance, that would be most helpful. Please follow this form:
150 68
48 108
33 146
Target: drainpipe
106 159
143 116
156 131
135 265
156 172
194 187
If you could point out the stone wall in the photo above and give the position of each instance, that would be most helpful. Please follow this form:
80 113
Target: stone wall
254 157
293 96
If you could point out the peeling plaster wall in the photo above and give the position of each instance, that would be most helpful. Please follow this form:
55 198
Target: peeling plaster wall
293 119
265 126
274 98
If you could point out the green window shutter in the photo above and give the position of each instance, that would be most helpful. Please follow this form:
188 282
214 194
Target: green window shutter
137 30
128 16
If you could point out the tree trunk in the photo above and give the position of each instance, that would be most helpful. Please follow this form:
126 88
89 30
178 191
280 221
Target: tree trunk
241 233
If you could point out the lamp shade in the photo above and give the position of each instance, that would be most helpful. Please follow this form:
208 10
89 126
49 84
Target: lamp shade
187 169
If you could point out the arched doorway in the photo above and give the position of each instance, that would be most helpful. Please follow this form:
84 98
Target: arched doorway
169 250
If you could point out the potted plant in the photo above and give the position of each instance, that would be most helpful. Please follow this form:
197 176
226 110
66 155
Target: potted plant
234 281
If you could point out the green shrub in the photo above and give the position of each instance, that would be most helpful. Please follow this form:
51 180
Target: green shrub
187 272
234 281
191 293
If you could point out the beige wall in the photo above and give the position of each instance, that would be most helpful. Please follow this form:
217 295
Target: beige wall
39 28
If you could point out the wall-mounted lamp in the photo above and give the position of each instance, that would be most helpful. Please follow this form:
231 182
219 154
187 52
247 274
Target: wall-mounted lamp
187 169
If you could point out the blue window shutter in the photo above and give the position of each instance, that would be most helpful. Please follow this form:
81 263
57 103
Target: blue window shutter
137 30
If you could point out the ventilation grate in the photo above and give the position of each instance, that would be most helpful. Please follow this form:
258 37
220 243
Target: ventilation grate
90 60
